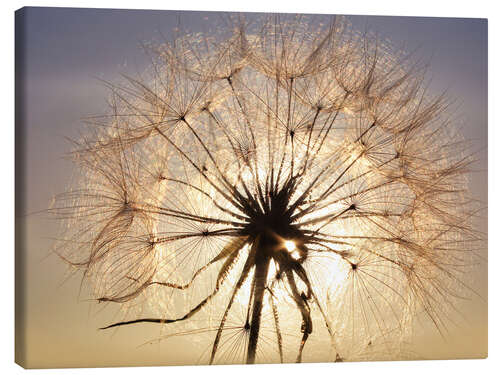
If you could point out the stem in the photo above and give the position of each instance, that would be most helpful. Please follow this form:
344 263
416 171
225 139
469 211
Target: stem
259 285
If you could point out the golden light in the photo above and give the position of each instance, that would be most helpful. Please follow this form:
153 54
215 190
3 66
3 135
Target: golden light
290 245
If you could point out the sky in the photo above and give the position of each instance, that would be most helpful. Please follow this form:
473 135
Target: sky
67 51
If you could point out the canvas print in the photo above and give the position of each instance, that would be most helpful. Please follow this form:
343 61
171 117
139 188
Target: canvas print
239 188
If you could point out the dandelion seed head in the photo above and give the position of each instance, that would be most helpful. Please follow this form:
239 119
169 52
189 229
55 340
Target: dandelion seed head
279 168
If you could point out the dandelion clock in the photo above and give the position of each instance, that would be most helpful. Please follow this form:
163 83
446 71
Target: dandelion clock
231 188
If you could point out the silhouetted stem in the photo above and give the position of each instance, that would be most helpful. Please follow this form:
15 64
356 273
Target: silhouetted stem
259 281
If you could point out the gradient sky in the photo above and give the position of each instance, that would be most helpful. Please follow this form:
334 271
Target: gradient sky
68 49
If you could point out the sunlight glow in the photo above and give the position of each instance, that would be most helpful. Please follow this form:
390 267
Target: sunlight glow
290 245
